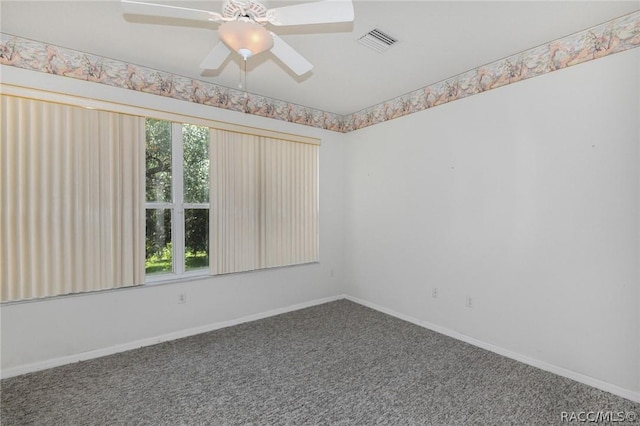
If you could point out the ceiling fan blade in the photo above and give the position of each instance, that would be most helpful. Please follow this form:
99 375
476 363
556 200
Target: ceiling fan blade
216 57
321 12
166 11
289 56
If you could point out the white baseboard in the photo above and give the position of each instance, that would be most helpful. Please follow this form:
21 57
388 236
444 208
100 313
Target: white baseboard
56 362
578 377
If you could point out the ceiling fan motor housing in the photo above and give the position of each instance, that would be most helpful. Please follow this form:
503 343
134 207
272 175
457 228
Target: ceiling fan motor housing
244 8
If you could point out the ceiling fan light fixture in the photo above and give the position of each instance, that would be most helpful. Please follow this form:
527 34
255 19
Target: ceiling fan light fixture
245 37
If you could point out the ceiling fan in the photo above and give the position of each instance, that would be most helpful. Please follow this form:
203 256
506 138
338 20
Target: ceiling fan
242 26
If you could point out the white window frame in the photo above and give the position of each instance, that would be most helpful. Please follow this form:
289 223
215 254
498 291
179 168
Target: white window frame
177 207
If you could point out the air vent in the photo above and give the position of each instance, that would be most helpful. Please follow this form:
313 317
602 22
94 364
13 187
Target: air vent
377 40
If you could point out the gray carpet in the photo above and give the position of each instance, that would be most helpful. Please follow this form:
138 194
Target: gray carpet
338 363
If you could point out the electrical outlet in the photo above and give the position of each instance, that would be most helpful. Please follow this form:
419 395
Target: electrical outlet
435 292
469 302
182 298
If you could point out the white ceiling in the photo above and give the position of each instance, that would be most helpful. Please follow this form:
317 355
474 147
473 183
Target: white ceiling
438 39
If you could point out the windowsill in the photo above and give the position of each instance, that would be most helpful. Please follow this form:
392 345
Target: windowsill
159 279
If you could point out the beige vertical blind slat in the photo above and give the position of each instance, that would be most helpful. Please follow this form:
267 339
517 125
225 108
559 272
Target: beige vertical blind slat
72 182
291 203
264 212
235 191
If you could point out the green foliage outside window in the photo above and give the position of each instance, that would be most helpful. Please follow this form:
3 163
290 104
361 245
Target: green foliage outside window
196 163
159 250
158 160
196 190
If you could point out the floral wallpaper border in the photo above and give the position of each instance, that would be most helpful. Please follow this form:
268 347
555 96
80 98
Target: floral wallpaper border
36 56
597 42
611 37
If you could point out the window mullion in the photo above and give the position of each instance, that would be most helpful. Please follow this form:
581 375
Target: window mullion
196 205
158 205
178 198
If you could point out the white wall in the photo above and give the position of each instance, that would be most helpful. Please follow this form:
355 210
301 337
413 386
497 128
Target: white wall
43 333
525 198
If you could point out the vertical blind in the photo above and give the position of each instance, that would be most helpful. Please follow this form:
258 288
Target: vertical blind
72 193
265 208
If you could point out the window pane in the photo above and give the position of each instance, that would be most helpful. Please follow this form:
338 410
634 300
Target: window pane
159 253
196 228
196 163
158 160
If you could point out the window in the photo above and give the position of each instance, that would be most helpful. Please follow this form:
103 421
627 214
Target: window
98 197
177 199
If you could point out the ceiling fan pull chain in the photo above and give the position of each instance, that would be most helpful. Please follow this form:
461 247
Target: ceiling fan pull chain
242 77
245 74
